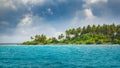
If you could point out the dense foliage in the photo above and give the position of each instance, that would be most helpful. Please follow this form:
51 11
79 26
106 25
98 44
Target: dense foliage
86 35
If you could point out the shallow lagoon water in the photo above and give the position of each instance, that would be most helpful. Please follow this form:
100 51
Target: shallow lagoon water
56 56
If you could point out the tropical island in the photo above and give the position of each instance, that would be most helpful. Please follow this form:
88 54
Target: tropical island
91 34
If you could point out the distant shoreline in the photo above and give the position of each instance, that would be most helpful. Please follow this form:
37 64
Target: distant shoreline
10 43
54 44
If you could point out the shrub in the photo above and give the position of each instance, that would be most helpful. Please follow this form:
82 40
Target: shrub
99 42
116 41
90 42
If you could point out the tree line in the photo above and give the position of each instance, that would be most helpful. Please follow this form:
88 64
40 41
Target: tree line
91 34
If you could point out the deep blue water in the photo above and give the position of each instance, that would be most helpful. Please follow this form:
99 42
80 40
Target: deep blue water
83 56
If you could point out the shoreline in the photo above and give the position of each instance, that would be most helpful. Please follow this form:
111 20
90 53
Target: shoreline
63 45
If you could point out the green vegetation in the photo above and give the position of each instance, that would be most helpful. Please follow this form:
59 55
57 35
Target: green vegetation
86 35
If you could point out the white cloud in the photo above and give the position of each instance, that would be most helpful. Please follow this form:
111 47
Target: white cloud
29 4
86 17
77 22
34 2
89 13
90 3
95 1
16 4
37 25
7 4
82 15
30 26
26 21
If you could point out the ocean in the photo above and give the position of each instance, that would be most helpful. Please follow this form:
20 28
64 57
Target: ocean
60 56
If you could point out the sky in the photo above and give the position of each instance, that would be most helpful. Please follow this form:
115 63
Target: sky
20 19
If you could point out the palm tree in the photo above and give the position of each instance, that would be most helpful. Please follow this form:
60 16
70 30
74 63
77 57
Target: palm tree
54 40
88 29
61 36
68 32
37 38
78 31
31 38
98 29
42 39
83 30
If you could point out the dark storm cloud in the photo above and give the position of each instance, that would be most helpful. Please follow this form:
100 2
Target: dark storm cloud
111 7
114 5
59 10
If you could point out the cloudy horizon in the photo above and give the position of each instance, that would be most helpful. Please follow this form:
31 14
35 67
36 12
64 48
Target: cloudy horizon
20 19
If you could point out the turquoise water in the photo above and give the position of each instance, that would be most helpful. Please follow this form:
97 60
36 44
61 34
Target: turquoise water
83 56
